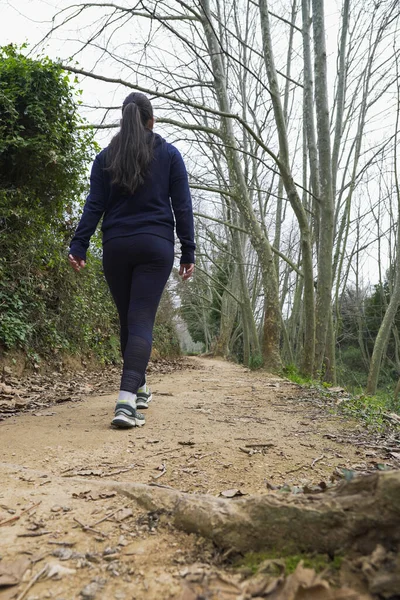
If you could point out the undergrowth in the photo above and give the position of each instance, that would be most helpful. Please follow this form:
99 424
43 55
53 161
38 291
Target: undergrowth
256 562
371 410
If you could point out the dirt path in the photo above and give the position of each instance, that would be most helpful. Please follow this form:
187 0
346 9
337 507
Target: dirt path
213 428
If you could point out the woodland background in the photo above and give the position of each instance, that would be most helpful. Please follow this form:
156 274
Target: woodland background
292 157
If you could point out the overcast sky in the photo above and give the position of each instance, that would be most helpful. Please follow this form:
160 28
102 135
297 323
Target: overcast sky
29 20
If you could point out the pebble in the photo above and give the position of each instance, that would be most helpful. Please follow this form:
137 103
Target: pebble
89 591
122 541
63 553
111 557
107 551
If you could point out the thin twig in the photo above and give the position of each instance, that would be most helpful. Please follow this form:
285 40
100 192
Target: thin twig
68 544
160 485
16 517
165 451
317 459
164 467
203 455
297 469
33 581
105 518
34 534
268 445
88 528
118 472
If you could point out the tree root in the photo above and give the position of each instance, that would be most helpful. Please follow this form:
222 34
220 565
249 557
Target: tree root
359 515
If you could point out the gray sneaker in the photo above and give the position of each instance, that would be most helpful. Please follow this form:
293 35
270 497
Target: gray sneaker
143 397
126 416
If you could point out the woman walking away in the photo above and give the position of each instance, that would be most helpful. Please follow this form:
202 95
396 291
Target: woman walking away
133 183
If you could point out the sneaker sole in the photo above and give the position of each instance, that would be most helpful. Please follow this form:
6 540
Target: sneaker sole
124 422
144 403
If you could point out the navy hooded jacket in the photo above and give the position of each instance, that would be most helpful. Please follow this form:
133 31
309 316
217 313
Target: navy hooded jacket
150 209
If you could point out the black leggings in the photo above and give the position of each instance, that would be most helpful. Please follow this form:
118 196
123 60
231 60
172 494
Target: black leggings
136 269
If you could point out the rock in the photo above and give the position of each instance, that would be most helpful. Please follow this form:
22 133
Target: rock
63 553
90 590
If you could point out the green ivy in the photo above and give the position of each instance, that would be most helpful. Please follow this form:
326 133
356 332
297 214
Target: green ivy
45 307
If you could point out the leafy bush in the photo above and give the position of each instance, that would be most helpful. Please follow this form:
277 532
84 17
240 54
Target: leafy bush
46 308
371 409
166 343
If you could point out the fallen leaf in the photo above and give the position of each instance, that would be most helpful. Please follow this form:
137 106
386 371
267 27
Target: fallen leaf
347 474
123 514
386 585
231 493
306 584
89 495
188 594
6 389
271 486
85 473
58 571
63 553
12 572
223 586
20 403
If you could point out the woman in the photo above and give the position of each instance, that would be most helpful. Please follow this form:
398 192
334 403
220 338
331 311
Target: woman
133 183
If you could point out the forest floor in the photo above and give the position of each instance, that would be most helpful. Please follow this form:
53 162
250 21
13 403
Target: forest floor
213 428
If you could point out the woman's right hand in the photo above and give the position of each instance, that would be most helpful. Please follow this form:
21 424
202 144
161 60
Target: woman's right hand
76 262
186 270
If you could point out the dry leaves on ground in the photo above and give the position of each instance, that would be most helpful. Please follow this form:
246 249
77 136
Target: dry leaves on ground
303 584
35 391
11 572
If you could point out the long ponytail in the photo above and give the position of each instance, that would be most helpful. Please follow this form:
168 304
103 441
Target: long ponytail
130 152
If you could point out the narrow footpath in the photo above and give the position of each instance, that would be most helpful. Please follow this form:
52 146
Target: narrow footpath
212 428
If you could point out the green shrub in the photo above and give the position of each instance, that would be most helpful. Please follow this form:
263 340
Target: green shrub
45 307
165 339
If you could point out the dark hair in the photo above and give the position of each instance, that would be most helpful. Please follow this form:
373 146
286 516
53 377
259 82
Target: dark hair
130 152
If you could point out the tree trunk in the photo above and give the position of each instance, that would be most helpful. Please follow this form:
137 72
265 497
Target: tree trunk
279 201
324 287
330 354
384 331
341 92
356 515
309 121
388 320
271 330
251 343
229 309
291 190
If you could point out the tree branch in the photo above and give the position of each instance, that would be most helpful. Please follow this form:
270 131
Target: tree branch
237 228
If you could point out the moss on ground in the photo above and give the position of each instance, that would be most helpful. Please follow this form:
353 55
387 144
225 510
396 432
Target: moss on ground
252 561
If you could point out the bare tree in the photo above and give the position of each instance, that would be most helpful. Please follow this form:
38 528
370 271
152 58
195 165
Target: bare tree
246 90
